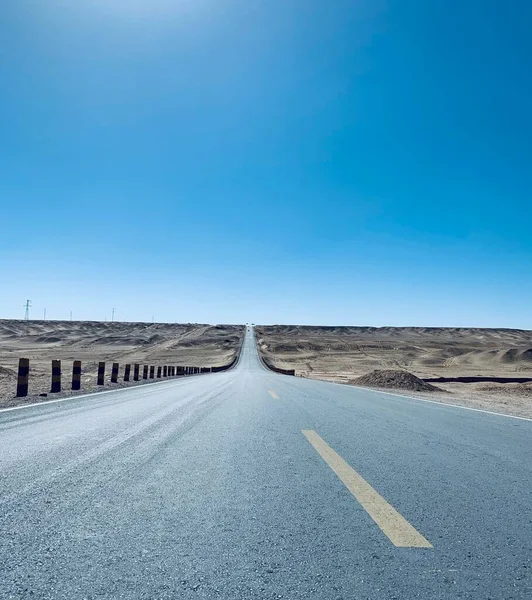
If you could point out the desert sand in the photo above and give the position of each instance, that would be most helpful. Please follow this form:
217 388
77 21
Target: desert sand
344 354
94 341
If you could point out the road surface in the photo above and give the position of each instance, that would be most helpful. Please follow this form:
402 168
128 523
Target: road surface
248 484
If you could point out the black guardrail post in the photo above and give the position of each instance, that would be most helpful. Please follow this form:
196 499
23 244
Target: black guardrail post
159 371
114 373
127 372
136 372
165 371
145 372
152 371
56 377
101 373
23 376
76 375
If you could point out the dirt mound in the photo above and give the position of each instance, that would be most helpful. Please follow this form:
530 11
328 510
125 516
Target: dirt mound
400 380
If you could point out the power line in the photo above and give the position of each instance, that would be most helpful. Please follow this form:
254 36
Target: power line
27 312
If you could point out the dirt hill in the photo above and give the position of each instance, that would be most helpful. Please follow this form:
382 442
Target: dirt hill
400 380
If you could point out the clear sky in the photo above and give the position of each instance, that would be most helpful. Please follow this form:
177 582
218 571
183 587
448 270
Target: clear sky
363 162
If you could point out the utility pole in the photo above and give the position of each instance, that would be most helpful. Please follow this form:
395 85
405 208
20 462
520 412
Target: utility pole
44 315
113 315
27 312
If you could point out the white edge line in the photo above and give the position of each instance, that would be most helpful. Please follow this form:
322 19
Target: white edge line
488 412
123 389
377 391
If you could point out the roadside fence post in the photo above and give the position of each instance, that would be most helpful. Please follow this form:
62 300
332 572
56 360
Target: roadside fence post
114 373
145 372
136 372
152 371
101 373
127 372
56 377
76 375
159 371
23 373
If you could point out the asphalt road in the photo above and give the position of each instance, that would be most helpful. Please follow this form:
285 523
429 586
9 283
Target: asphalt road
248 484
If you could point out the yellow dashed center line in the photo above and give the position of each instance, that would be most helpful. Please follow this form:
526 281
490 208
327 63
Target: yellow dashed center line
273 395
392 524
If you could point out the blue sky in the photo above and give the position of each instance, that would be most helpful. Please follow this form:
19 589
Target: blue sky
280 161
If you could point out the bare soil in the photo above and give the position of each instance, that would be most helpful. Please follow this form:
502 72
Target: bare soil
95 341
343 354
